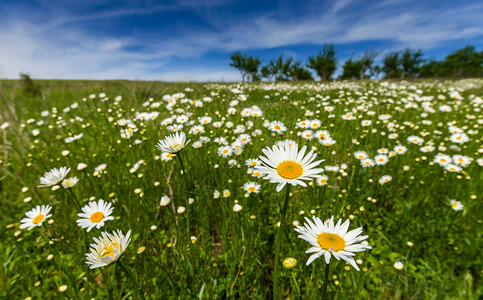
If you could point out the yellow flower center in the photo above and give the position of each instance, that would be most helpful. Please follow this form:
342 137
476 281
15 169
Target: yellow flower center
290 170
276 127
68 182
331 241
360 156
458 138
253 163
454 204
251 189
443 160
258 174
38 219
97 217
109 250
323 181
381 159
225 151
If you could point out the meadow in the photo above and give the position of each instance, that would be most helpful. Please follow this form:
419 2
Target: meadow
400 159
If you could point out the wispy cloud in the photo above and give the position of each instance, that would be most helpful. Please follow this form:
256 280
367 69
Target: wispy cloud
61 45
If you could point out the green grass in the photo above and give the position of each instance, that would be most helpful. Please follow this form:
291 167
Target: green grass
233 254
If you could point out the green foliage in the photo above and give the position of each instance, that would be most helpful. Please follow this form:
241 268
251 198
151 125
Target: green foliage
285 70
246 64
324 63
29 88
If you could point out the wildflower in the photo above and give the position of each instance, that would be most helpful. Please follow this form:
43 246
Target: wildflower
95 214
381 159
252 187
225 151
70 182
277 126
360 155
107 249
285 164
173 143
415 139
251 162
322 180
442 159
289 263
35 217
456 205
367 162
385 179
400 149
237 208
53 177
398 265
453 168
331 239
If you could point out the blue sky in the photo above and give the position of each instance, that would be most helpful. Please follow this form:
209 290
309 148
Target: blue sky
193 40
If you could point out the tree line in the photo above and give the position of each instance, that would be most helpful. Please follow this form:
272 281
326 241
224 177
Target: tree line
404 64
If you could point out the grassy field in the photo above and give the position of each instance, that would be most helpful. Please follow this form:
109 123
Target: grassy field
199 233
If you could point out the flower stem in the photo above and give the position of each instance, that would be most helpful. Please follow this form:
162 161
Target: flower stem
129 274
326 280
278 242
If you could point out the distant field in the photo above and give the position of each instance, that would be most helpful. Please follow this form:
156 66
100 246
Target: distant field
403 160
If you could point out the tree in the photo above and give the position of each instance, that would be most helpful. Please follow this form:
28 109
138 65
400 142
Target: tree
268 72
409 61
324 63
359 68
391 65
352 69
298 72
376 70
464 62
247 65
366 62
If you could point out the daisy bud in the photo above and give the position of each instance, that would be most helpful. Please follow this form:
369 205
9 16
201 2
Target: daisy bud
289 263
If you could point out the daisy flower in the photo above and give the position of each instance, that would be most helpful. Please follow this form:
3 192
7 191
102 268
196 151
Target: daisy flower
54 176
360 155
35 217
456 205
322 134
285 164
399 149
367 162
385 179
461 160
252 187
251 162
453 168
277 126
415 139
95 214
322 180
459 138
173 143
225 151
329 239
442 159
381 159
69 182
107 249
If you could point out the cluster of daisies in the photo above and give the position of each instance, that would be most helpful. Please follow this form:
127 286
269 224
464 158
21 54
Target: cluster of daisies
106 248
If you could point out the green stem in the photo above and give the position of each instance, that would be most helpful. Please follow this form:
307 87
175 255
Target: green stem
278 242
326 280
129 274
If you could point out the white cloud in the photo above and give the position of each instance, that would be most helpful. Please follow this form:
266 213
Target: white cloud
58 49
